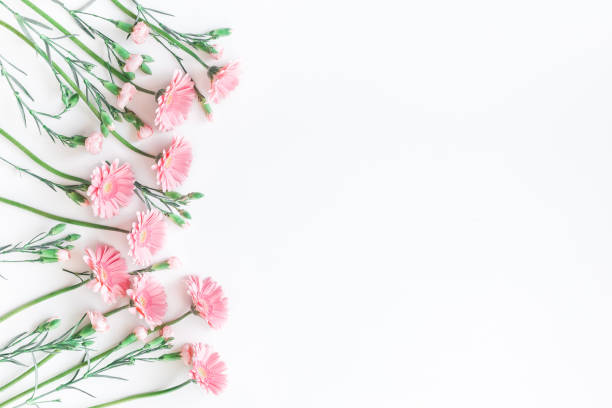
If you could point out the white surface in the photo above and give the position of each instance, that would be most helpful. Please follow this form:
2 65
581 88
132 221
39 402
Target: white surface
407 206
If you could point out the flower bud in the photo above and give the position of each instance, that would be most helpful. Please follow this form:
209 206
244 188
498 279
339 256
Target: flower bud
113 88
173 195
86 331
123 53
170 356
130 75
147 58
177 219
220 32
78 198
72 237
57 229
195 196
123 26
104 129
158 341
54 255
185 214
106 118
146 69
128 340
50 324
207 109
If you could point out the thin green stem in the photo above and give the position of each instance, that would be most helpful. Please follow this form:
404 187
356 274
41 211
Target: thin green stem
143 395
85 363
161 32
39 161
51 355
40 299
74 86
61 219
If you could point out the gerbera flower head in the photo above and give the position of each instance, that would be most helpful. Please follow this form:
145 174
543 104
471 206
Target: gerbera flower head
148 299
208 300
110 275
112 187
174 104
207 369
173 166
147 236
223 80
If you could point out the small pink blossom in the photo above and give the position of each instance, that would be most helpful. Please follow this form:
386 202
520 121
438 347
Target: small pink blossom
166 332
187 354
148 299
219 54
208 300
127 93
223 81
98 321
207 369
147 236
93 144
175 263
174 104
133 63
140 32
110 274
63 255
144 132
173 166
141 333
112 187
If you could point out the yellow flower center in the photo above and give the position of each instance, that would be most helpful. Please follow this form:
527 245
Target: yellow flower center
202 372
143 236
107 187
103 274
142 301
169 99
168 162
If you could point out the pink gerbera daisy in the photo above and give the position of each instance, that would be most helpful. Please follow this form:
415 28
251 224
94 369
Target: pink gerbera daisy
173 166
223 80
112 187
110 276
208 300
148 299
174 104
147 236
207 369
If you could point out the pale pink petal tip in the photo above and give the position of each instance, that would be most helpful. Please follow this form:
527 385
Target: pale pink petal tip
98 321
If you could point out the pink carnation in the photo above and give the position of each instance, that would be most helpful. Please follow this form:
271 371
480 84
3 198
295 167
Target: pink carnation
166 332
110 275
112 187
216 55
207 369
223 81
174 104
147 236
98 321
144 132
173 166
133 63
63 255
127 93
174 263
148 299
141 333
93 144
140 32
187 354
208 300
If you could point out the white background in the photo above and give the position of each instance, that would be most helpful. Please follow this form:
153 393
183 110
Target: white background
407 205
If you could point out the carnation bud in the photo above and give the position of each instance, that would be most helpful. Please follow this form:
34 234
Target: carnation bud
185 214
177 219
86 331
78 198
113 88
170 356
173 195
220 32
146 69
50 324
54 255
130 75
147 58
128 340
59 228
107 119
195 196
104 129
207 109
123 53
123 26
72 237
76 140
158 341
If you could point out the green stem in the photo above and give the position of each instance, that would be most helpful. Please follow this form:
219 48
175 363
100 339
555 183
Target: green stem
74 86
84 363
39 161
40 299
161 32
82 46
61 219
143 395
50 356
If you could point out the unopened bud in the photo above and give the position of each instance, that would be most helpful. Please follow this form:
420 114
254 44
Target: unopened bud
170 356
113 88
50 324
128 340
57 229
173 195
78 198
158 341
178 220
195 196
72 237
220 32
123 53
146 69
123 26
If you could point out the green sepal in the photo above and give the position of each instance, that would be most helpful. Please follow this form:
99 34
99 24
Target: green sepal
113 88
58 229
123 26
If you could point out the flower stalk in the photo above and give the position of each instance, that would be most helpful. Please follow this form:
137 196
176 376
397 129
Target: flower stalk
143 395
